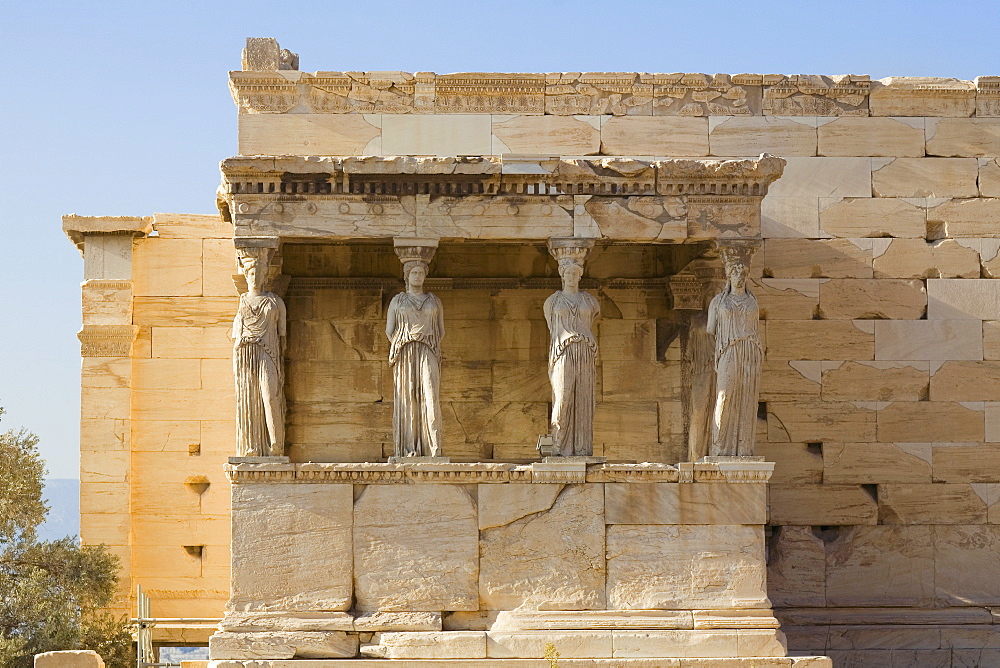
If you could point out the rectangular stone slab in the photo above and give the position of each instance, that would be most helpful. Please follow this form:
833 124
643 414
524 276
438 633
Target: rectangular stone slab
416 548
673 503
291 547
544 556
685 566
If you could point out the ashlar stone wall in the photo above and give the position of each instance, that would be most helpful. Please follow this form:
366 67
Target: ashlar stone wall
157 402
878 306
878 303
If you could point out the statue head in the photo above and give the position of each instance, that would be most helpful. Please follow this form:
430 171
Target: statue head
737 262
255 272
571 271
414 273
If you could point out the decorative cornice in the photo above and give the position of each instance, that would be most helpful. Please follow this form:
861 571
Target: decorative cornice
492 472
77 227
296 179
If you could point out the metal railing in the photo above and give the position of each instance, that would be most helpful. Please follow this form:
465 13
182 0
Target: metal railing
144 623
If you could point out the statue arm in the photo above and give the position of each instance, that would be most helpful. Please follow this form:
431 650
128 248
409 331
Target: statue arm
547 309
713 313
237 327
390 320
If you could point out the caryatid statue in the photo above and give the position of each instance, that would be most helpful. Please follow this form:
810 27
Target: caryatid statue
570 314
415 327
732 319
258 356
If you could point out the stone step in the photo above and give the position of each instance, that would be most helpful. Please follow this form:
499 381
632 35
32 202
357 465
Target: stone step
693 662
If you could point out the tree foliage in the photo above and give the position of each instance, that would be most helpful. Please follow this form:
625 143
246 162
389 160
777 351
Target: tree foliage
51 592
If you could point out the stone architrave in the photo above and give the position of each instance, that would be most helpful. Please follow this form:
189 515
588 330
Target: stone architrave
570 314
258 355
415 327
732 319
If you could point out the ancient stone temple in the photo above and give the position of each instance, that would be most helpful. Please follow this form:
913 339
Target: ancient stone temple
579 369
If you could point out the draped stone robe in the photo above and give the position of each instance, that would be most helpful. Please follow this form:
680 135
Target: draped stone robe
572 370
738 358
257 366
415 358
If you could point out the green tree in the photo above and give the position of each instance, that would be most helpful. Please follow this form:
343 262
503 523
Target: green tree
51 592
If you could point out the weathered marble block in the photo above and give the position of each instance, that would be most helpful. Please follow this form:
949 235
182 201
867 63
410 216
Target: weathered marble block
685 566
466 561
291 547
416 548
563 544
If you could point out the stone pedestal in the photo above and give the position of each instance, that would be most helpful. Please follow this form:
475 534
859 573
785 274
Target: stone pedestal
500 564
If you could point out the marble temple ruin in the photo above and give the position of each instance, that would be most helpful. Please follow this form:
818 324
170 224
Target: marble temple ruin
572 369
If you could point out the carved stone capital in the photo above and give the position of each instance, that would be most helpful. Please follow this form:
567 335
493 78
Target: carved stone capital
700 280
738 251
573 249
267 252
414 249
107 340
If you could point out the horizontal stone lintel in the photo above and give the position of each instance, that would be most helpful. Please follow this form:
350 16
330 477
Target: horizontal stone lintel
491 472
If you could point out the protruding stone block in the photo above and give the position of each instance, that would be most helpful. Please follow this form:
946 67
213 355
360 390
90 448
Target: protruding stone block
72 658
825 504
963 137
859 217
283 645
915 258
857 299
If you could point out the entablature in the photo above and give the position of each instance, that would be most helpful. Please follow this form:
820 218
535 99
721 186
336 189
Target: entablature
496 197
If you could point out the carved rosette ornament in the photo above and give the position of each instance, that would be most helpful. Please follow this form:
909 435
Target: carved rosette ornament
415 327
570 314
732 320
258 354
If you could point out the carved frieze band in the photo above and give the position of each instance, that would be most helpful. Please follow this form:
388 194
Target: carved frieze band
107 340
475 473
559 93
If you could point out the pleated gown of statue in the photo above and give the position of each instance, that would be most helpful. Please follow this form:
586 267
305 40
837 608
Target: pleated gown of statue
415 358
738 358
572 370
257 366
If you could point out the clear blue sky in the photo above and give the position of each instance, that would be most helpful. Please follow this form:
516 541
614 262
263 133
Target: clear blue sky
121 108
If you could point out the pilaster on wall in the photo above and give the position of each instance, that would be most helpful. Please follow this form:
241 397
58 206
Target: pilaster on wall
106 341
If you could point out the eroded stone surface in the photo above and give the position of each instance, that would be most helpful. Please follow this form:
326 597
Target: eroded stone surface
685 567
283 645
564 545
415 549
291 547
